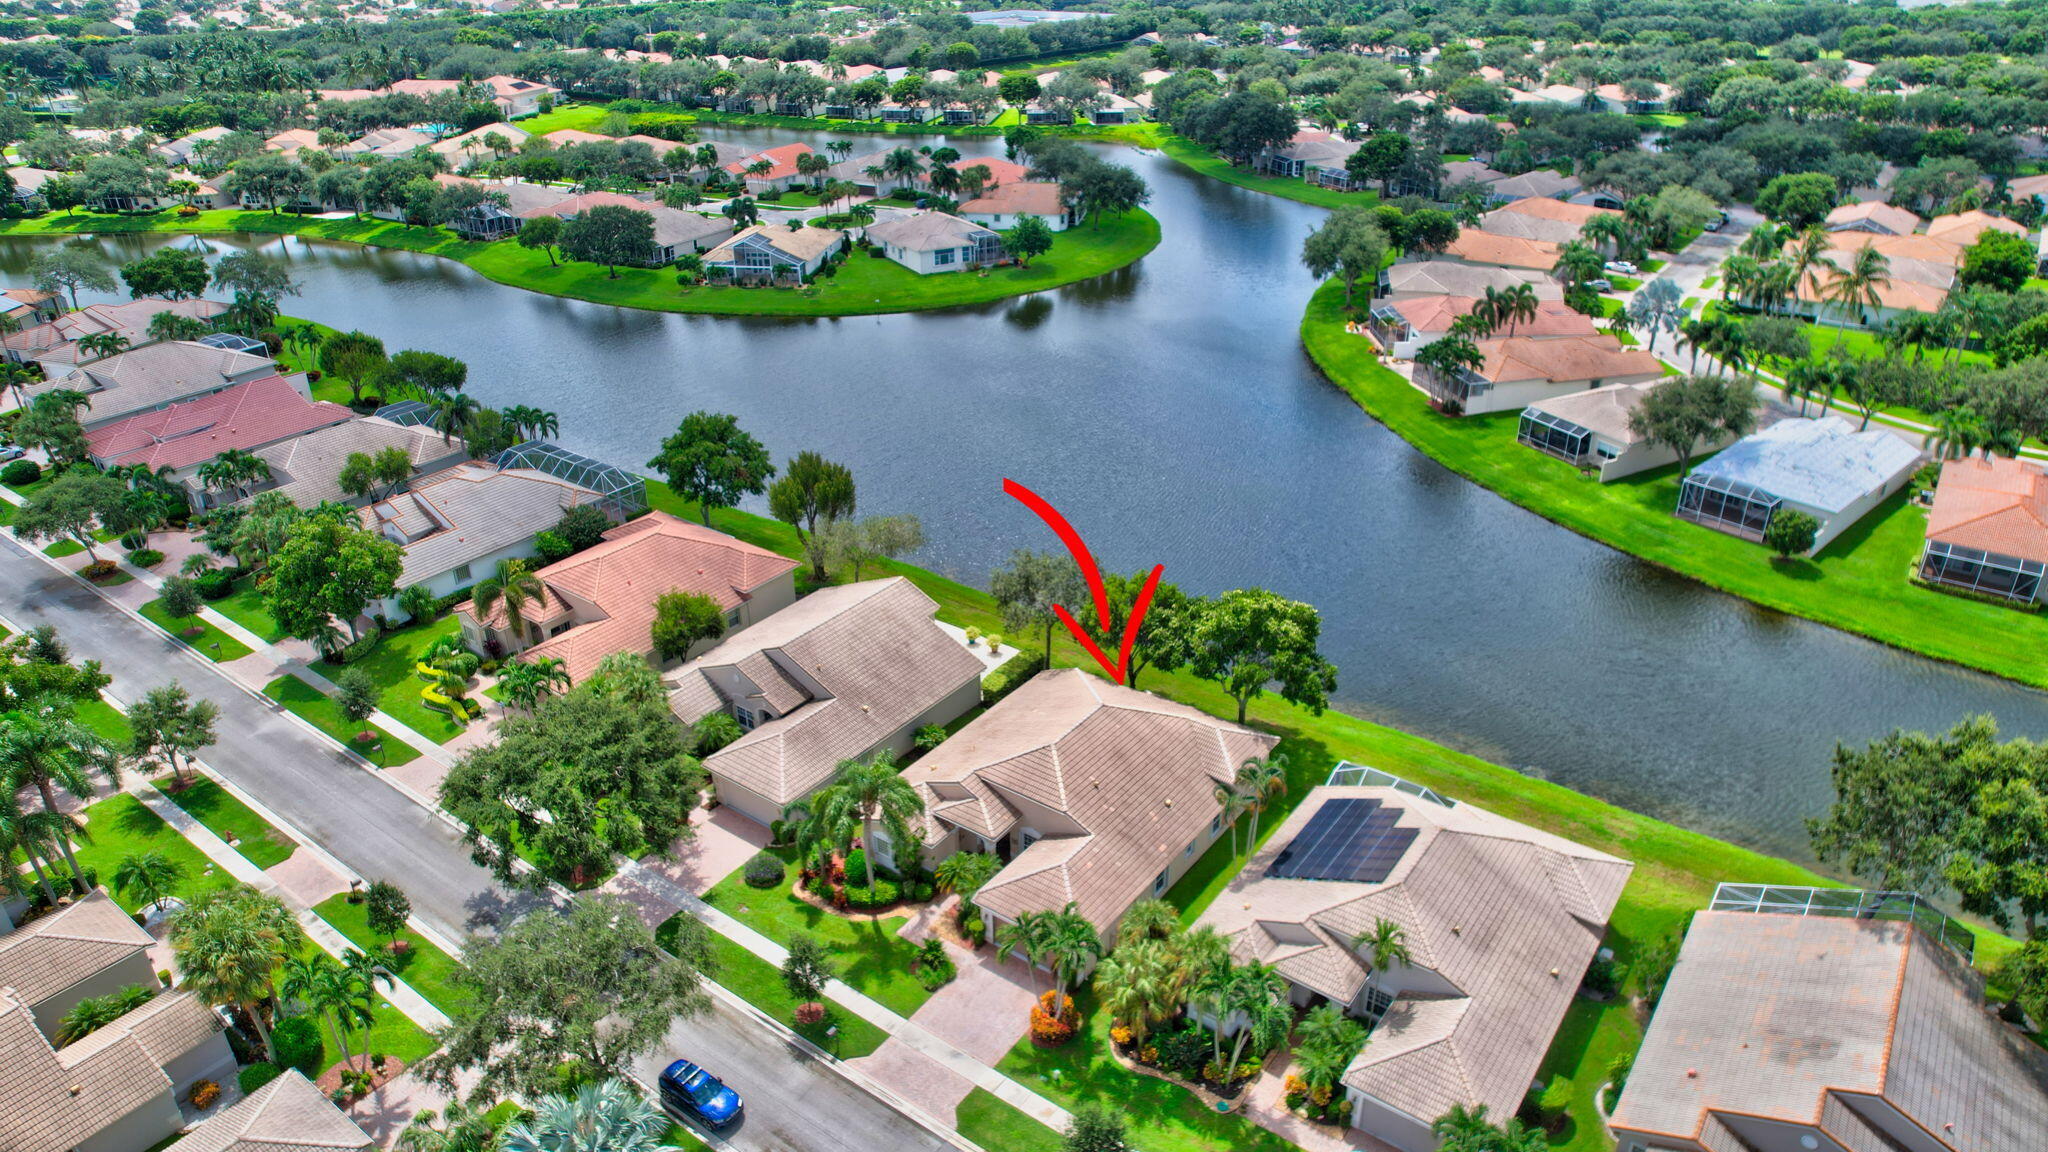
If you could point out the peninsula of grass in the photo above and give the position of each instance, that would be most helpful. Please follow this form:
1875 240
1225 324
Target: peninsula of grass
760 983
863 285
319 709
1858 583
424 967
228 818
1195 156
209 641
1676 868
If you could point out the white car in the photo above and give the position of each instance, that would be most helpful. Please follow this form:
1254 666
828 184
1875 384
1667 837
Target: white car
1619 268
11 452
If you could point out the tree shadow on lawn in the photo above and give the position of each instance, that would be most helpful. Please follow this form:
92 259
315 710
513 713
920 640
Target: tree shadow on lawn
1797 568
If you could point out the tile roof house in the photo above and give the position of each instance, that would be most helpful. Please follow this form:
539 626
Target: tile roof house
182 151
1541 218
186 435
1501 921
457 525
1404 324
117 1088
293 140
1090 792
470 145
1520 370
1872 216
1004 205
761 253
1778 1030
154 375
676 232
1987 530
928 242
55 342
1478 246
1822 467
307 468
388 143
845 673
781 171
602 600
1537 182
1965 227
286 1115
1452 278
1591 429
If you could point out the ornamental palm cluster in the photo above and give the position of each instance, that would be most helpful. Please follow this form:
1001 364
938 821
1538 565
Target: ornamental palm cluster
605 1117
229 944
45 750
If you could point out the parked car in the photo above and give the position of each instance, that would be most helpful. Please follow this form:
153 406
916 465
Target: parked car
1602 285
11 452
1619 268
692 1092
1718 223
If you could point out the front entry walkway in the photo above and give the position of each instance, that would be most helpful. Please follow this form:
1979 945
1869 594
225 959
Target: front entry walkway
987 1007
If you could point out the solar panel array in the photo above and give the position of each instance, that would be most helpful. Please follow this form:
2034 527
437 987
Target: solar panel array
1349 838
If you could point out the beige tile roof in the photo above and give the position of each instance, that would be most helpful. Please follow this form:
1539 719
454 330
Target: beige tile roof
804 244
1436 314
46 956
472 141
927 231
286 1115
1998 505
1490 905
1965 227
308 467
153 375
877 658
1542 218
1450 278
1482 247
170 1025
1769 1014
470 512
1136 773
130 318
1604 411
637 564
1033 197
1564 359
54 1101
1896 221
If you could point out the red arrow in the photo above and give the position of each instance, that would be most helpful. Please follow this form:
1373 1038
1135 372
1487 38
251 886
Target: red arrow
1090 572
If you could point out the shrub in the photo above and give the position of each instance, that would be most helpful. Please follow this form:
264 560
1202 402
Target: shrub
1121 1034
203 1094
257 1075
99 570
145 557
883 894
936 976
1005 680
920 891
551 546
298 1045
1340 1113
1790 531
971 923
929 737
1184 1051
419 602
857 866
714 730
1601 977
973 635
1555 1099
219 584
583 526
1051 1027
765 870
21 472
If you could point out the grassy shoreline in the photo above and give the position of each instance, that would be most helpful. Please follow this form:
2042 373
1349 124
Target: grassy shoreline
864 286
1189 154
1858 583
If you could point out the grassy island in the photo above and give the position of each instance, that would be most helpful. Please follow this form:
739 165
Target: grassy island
1859 583
863 286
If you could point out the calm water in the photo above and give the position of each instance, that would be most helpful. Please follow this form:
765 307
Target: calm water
1169 411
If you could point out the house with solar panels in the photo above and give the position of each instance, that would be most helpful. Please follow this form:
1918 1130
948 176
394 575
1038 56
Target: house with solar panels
1500 921
1823 467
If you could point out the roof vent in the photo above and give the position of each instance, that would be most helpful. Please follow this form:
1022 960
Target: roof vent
77 1089
1553 973
865 708
1692 1073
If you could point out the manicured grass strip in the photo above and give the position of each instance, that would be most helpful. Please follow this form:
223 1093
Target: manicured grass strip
210 641
63 548
122 826
1858 583
430 971
105 721
760 983
1000 1126
245 607
230 819
391 663
1209 164
393 1034
857 290
310 704
871 956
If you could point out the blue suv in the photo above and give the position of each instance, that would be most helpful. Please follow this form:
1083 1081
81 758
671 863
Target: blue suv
692 1091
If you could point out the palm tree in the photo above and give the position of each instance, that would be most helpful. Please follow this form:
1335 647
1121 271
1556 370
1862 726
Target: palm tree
901 165
150 876
604 1117
1606 228
1137 986
1956 433
34 834
1320 1067
1385 944
1860 285
1071 944
871 793
1026 934
1463 1129
1577 262
235 468
96 1012
100 345
963 873
456 1128
228 943
1259 993
452 414
1235 804
1258 778
1326 1026
1811 378
41 746
514 587
532 423
1148 919
1808 254
526 681
1518 304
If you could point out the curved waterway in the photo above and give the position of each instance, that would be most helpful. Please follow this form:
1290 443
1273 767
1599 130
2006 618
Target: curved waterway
1169 411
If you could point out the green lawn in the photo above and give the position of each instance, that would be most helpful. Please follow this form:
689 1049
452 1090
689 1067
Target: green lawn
999 1126
871 957
1208 163
393 1033
760 983
105 721
1858 583
121 826
211 642
430 971
390 664
229 819
310 704
245 604
1077 254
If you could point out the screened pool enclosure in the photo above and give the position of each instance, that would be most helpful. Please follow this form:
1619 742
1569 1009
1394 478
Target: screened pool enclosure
1555 435
1987 573
1730 505
620 492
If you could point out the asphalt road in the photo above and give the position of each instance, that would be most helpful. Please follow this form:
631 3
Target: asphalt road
792 1105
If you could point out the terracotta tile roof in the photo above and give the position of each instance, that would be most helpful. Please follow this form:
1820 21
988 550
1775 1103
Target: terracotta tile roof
1897 221
1965 227
561 136
1489 905
1036 197
1564 359
637 563
252 415
1135 774
286 1115
1997 505
291 140
1482 247
46 956
70 1095
1542 218
844 668
783 160
1000 171
1769 1015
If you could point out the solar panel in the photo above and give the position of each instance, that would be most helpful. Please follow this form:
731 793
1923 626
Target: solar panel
1350 838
